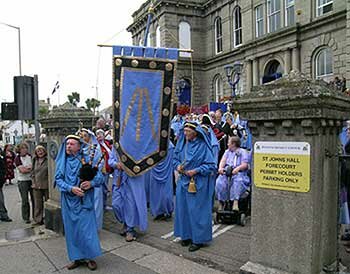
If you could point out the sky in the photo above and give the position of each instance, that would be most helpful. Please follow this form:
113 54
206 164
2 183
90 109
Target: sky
59 43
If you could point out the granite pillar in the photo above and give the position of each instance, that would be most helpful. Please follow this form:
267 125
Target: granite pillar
256 76
249 78
296 59
296 232
60 122
287 63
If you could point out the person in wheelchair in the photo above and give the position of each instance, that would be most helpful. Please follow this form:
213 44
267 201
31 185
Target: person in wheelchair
233 180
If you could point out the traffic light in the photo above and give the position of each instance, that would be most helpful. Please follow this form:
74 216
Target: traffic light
9 111
24 97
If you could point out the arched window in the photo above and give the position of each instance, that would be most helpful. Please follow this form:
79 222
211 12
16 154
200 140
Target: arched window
218 35
273 71
237 27
158 43
185 38
218 88
324 63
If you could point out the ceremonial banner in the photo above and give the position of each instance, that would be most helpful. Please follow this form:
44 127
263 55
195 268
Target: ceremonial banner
143 88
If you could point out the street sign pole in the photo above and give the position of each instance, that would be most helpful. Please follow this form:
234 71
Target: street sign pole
36 109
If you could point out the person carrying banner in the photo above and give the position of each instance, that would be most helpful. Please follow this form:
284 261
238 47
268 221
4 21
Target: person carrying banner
195 162
77 203
128 199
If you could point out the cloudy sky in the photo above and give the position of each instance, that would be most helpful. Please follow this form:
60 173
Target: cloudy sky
59 39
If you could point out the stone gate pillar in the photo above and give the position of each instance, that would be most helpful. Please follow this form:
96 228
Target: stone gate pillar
60 121
296 232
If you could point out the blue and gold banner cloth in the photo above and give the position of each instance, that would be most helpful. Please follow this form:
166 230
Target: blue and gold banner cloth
142 95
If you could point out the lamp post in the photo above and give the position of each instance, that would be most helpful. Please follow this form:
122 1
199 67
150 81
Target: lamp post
19 45
19 59
233 74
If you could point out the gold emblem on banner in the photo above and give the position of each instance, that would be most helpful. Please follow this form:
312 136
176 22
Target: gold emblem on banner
150 161
162 153
117 83
117 125
166 112
136 169
134 63
167 90
169 67
124 158
152 65
164 133
116 104
118 62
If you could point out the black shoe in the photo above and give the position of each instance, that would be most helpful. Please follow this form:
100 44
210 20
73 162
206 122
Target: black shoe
27 221
194 247
6 219
186 242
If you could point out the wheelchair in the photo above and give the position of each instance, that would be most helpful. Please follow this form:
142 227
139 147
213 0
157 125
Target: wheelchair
229 216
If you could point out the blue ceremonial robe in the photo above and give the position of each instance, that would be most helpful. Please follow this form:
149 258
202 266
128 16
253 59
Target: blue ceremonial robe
99 200
161 185
78 214
129 199
193 211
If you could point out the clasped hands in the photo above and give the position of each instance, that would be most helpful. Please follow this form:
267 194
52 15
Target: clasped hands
189 173
79 191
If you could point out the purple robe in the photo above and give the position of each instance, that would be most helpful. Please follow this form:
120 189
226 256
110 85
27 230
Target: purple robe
239 183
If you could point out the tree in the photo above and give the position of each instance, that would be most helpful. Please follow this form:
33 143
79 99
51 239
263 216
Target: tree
43 111
74 98
92 104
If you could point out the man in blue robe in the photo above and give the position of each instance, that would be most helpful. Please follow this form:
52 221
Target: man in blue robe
161 187
77 205
128 199
193 212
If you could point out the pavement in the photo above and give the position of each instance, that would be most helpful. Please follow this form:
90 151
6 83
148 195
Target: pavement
43 251
37 250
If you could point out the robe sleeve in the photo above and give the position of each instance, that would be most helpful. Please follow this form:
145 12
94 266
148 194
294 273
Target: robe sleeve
176 159
61 184
208 165
113 159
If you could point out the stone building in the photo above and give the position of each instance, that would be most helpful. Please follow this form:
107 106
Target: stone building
269 37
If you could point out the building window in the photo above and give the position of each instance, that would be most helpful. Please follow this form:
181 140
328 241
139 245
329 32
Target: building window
259 21
158 43
324 63
273 15
237 27
290 18
218 35
184 38
218 88
324 6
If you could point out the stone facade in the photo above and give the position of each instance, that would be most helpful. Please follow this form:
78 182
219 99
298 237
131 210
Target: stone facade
294 47
296 232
